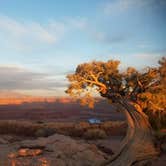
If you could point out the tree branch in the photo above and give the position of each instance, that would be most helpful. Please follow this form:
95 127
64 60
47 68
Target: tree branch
96 82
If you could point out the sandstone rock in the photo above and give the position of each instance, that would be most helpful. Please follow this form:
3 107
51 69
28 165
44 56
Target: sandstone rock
163 147
29 152
61 150
105 149
3 141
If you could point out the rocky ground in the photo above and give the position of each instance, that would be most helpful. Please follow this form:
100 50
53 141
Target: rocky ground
59 150
54 150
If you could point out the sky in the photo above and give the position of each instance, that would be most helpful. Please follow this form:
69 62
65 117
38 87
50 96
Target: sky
41 41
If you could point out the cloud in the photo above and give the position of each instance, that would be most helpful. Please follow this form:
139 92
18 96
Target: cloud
138 60
117 6
17 78
24 35
107 38
147 57
78 22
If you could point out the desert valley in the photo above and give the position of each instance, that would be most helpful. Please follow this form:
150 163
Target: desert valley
49 131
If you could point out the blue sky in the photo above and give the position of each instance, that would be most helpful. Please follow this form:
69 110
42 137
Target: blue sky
43 40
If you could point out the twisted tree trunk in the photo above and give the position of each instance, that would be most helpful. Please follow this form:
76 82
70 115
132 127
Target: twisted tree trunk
138 144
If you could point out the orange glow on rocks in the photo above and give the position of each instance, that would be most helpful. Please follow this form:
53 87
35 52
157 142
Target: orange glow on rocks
7 101
20 99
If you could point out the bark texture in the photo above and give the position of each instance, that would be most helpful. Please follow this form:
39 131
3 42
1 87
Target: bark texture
138 144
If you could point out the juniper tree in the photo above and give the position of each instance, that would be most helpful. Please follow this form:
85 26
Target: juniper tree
138 93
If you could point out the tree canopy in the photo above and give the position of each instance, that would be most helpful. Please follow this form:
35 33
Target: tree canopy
146 88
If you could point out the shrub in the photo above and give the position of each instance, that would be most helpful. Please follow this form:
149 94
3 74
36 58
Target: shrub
44 132
95 134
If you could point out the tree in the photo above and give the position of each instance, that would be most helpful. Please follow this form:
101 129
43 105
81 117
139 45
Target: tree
137 92
153 100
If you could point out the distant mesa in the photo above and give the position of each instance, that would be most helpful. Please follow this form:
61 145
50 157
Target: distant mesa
65 100
7 98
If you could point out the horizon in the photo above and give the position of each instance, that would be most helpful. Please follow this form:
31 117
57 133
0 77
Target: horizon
42 42
14 98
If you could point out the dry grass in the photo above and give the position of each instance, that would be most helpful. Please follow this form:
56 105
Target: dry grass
81 129
18 128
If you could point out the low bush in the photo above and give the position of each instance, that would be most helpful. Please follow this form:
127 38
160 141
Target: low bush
44 132
95 134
